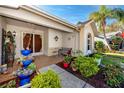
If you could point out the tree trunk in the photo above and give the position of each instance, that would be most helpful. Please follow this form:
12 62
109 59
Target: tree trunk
104 33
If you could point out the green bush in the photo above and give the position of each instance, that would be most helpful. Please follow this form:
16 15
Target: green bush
67 59
78 61
114 75
122 61
116 40
87 66
97 56
115 47
47 79
99 45
10 84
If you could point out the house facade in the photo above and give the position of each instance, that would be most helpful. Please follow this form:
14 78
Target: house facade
48 33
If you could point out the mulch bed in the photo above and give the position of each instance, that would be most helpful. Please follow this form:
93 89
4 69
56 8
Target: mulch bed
96 81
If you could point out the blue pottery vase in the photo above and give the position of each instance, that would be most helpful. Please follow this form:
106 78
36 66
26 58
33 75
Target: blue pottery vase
22 76
26 52
26 62
24 81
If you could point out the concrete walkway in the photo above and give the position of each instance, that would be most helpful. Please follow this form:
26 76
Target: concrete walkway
68 80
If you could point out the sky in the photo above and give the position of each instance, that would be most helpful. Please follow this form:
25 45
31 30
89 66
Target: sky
73 13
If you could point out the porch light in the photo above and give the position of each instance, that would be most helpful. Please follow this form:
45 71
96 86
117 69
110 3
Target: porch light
14 33
56 38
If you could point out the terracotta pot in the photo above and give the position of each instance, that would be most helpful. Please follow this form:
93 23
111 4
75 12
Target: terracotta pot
66 65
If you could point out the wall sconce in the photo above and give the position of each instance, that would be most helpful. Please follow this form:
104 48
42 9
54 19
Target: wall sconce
14 33
56 38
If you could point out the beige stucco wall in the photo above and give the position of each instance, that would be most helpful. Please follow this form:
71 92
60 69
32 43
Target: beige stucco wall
52 42
66 39
54 46
83 38
71 40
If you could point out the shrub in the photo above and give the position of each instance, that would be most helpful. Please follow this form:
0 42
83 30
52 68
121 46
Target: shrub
87 66
68 59
97 56
10 84
99 45
122 61
114 75
116 40
47 79
115 47
78 61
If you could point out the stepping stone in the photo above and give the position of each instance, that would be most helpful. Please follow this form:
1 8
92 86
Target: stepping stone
88 86
68 80
53 67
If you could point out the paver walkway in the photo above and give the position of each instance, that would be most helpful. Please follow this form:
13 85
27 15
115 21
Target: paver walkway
68 80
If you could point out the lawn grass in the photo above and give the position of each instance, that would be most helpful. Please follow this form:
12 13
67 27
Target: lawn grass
112 59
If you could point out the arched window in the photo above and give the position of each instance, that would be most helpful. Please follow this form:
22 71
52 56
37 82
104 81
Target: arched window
89 42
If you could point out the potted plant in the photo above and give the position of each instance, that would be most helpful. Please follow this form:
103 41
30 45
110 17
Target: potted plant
32 66
47 79
74 66
26 62
67 60
24 75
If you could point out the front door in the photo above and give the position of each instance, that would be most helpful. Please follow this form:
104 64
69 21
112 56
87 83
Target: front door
37 43
33 42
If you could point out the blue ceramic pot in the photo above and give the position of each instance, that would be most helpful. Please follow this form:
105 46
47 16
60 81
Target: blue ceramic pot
24 81
26 62
26 52
22 76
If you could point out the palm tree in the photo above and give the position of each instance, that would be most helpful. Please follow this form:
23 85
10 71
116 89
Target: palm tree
118 14
100 18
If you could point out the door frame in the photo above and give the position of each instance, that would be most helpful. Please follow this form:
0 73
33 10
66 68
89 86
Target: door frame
38 33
